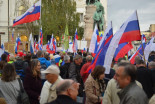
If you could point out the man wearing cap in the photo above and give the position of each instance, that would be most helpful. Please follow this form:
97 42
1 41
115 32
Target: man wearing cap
19 61
48 92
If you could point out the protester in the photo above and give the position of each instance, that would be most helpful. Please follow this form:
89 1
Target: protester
52 59
67 91
85 67
32 82
74 73
48 92
4 57
64 68
152 71
44 64
131 93
9 85
110 95
11 59
144 77
19 61
95 86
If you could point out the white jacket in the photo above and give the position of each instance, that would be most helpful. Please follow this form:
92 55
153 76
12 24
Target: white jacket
48 92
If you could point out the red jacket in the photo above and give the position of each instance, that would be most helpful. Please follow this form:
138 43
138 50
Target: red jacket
83 69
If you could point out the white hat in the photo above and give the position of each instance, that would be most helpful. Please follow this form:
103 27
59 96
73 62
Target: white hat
53 69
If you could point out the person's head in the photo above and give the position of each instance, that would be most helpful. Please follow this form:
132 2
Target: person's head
66 59
125 74
4 57
52 73
28 57
20 55
51 56
35 67
120 59
78 59
89 58
9 73
40 54
137 58
46 56
98 72
68 87
151 65
12 58
140 63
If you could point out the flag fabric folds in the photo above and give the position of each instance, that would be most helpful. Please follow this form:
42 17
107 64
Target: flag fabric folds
139 51
147 49
122 50
75 44
132 30
12 34
117 38
95 40
31 43
18 41
41 37
100 55
32 14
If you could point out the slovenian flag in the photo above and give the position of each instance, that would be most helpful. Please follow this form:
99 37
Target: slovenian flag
32 14
122 50
18 41
75 44
95 40
100 55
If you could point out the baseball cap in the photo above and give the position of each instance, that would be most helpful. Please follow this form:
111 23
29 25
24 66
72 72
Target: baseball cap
20 54
53 69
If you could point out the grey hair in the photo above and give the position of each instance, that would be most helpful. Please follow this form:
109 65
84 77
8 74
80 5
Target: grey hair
89 58
77 57
152 64
66 58
63 87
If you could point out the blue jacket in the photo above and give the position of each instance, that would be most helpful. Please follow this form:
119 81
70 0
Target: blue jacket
43 60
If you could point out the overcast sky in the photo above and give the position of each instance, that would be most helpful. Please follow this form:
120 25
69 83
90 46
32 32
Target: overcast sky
120 10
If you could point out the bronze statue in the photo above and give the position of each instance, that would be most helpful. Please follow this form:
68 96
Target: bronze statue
98 15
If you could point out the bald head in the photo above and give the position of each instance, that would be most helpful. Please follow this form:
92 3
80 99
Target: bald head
68 87
63 85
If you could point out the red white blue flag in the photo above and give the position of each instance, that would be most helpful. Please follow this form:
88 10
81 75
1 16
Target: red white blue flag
32 14
75 44
122 50
129 27
100 55
95 41
18 41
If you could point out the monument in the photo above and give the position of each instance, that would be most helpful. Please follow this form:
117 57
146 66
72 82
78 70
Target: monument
95 15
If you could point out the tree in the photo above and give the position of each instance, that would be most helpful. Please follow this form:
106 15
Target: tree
56 14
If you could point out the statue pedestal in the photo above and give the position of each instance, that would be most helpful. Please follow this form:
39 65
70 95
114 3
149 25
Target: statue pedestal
88 19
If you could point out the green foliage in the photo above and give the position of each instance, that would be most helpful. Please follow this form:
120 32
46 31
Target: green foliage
56 14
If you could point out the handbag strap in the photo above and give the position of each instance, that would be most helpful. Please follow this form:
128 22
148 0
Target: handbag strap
20 84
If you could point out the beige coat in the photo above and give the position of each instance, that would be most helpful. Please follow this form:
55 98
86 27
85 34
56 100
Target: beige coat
92 91
152 100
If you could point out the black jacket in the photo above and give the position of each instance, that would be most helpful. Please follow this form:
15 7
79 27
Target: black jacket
144 77
64 71
63 99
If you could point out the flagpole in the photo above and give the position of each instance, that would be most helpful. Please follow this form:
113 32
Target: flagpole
141 39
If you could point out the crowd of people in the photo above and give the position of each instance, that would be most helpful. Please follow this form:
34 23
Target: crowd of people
61 78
